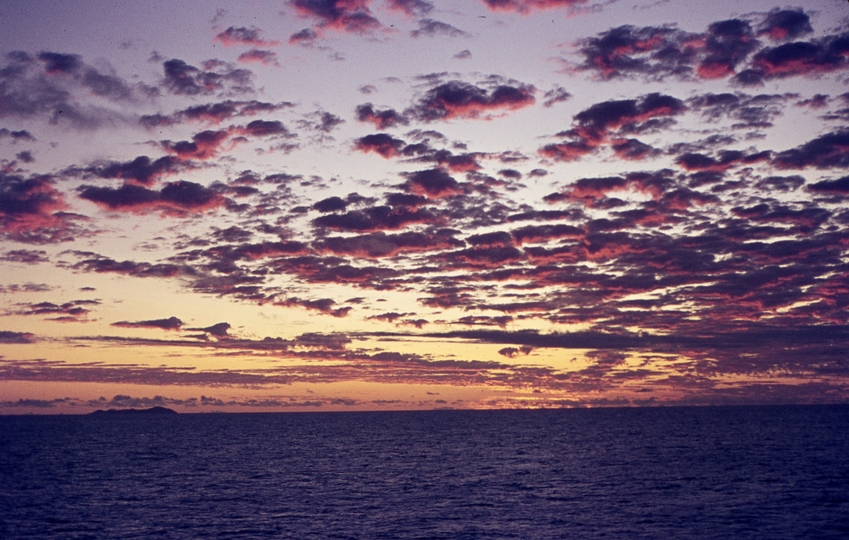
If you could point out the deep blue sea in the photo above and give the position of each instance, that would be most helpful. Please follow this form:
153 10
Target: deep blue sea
723 472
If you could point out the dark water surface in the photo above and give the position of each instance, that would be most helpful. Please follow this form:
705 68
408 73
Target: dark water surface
730 472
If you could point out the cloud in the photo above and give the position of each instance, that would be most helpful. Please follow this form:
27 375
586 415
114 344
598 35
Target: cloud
627 115
382 119
352 16
749 111
457 99
824 152
597 125
376 218
324 305
322 121
801 58
380 143
73 311
213 78
654 52
206 144
63 89
240 35
728 48
433 184
304 37
175 198
16 338
784 24
432 28
727 44
380 244
25 256
171 323
556 95
219 330
259 56
32 210
255 128
527 6
412 8
17 135
835 187
142 170
212 113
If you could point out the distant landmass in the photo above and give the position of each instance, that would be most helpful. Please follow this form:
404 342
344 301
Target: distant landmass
152 410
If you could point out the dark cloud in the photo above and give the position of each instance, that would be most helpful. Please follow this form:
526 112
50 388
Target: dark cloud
141 170
259 56
219 330
380 143
375 219
382 119
25 156
25 256
727 44
351 16
432 183
594 126
824 152
324 305
381 244
412 8
457 99
255 128
654 52
206 144
31 210
304 37
749 111
331 204
802 58
175 198
817 101
836 187
213 78
322 123
213 113
171 323
728 48
60 87
92 262
781 183
628 115
16 338
527 6
432 28
724 160
73 311
784 24
19 135
556 95
634 150
243 36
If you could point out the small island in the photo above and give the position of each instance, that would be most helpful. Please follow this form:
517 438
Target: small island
152 410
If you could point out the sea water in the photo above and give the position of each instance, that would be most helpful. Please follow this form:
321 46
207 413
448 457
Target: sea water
722 472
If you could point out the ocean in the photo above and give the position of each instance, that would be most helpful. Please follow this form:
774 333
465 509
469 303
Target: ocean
682 472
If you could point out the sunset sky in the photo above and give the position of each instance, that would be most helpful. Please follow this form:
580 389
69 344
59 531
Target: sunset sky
410 204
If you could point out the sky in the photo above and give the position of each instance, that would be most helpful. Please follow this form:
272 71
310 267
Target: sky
324 205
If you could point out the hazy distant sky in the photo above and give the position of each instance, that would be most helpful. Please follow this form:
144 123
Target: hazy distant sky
404 204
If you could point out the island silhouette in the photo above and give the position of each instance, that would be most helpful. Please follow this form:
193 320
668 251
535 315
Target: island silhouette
152 410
